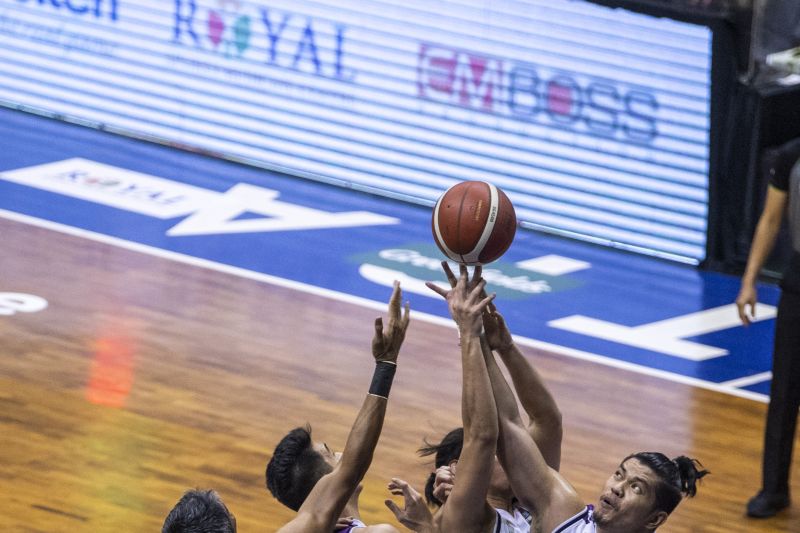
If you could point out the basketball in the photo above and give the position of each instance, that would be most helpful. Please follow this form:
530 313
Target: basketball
474 223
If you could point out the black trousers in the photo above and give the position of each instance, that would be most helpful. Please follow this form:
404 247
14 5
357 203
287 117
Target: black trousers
784 395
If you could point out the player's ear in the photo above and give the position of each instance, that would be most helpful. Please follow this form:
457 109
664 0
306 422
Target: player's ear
656 520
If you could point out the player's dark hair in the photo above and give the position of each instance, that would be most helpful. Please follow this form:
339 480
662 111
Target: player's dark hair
678 477
447 451
199 511
295 468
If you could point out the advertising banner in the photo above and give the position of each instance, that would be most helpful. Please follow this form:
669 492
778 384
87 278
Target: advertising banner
595 121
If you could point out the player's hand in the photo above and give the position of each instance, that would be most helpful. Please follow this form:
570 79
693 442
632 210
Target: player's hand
747 298
443 482
465 299
496 331
343 522
415 515
386 343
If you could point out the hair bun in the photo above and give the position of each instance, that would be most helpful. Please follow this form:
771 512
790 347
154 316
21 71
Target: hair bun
690 471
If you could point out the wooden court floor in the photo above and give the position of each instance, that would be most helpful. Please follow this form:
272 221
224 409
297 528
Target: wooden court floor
145 377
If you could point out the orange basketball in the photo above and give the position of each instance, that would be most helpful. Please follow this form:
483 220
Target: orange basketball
474 223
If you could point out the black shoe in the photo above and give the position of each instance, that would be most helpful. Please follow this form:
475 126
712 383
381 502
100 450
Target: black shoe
765 504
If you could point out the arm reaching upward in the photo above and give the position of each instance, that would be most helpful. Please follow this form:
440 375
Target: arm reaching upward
539 488
544 416
466 509
327 499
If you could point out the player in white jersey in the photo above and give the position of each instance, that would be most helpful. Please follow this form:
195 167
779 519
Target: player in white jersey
467 509
518 521
544 428
582 522
637 498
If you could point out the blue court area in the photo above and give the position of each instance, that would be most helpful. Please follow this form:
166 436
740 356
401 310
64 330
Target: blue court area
567 297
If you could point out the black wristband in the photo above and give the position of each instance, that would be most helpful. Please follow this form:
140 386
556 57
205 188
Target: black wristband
382 379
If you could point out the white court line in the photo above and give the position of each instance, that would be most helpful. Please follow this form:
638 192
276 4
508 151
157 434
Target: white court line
748 380
364 302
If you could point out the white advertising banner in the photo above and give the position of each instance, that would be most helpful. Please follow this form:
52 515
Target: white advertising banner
594 121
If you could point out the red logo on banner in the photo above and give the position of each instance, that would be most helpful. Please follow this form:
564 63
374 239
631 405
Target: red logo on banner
459 77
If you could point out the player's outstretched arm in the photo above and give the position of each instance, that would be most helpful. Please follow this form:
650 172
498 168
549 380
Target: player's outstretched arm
327 499
466 509
539 488
544 424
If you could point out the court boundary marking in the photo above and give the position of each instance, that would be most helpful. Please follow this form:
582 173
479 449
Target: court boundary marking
555 349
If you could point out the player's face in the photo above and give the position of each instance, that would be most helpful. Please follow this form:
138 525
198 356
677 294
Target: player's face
331 457
627 501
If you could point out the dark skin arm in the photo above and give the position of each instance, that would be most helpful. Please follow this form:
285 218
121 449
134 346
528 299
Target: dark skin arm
324 505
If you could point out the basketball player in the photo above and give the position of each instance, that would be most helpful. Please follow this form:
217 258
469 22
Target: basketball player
544 427
467 508
637 498
323 486
199 510
507 516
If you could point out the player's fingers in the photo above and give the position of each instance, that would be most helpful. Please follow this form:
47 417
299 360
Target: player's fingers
476 291
449 273
342 523
399 483
435 288
394 508
486 301
410 493
394 301
501 322
464 274
742 314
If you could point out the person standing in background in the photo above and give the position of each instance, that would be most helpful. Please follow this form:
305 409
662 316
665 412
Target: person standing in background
783 191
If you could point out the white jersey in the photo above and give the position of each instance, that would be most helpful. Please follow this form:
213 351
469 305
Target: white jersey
582 522
519 522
